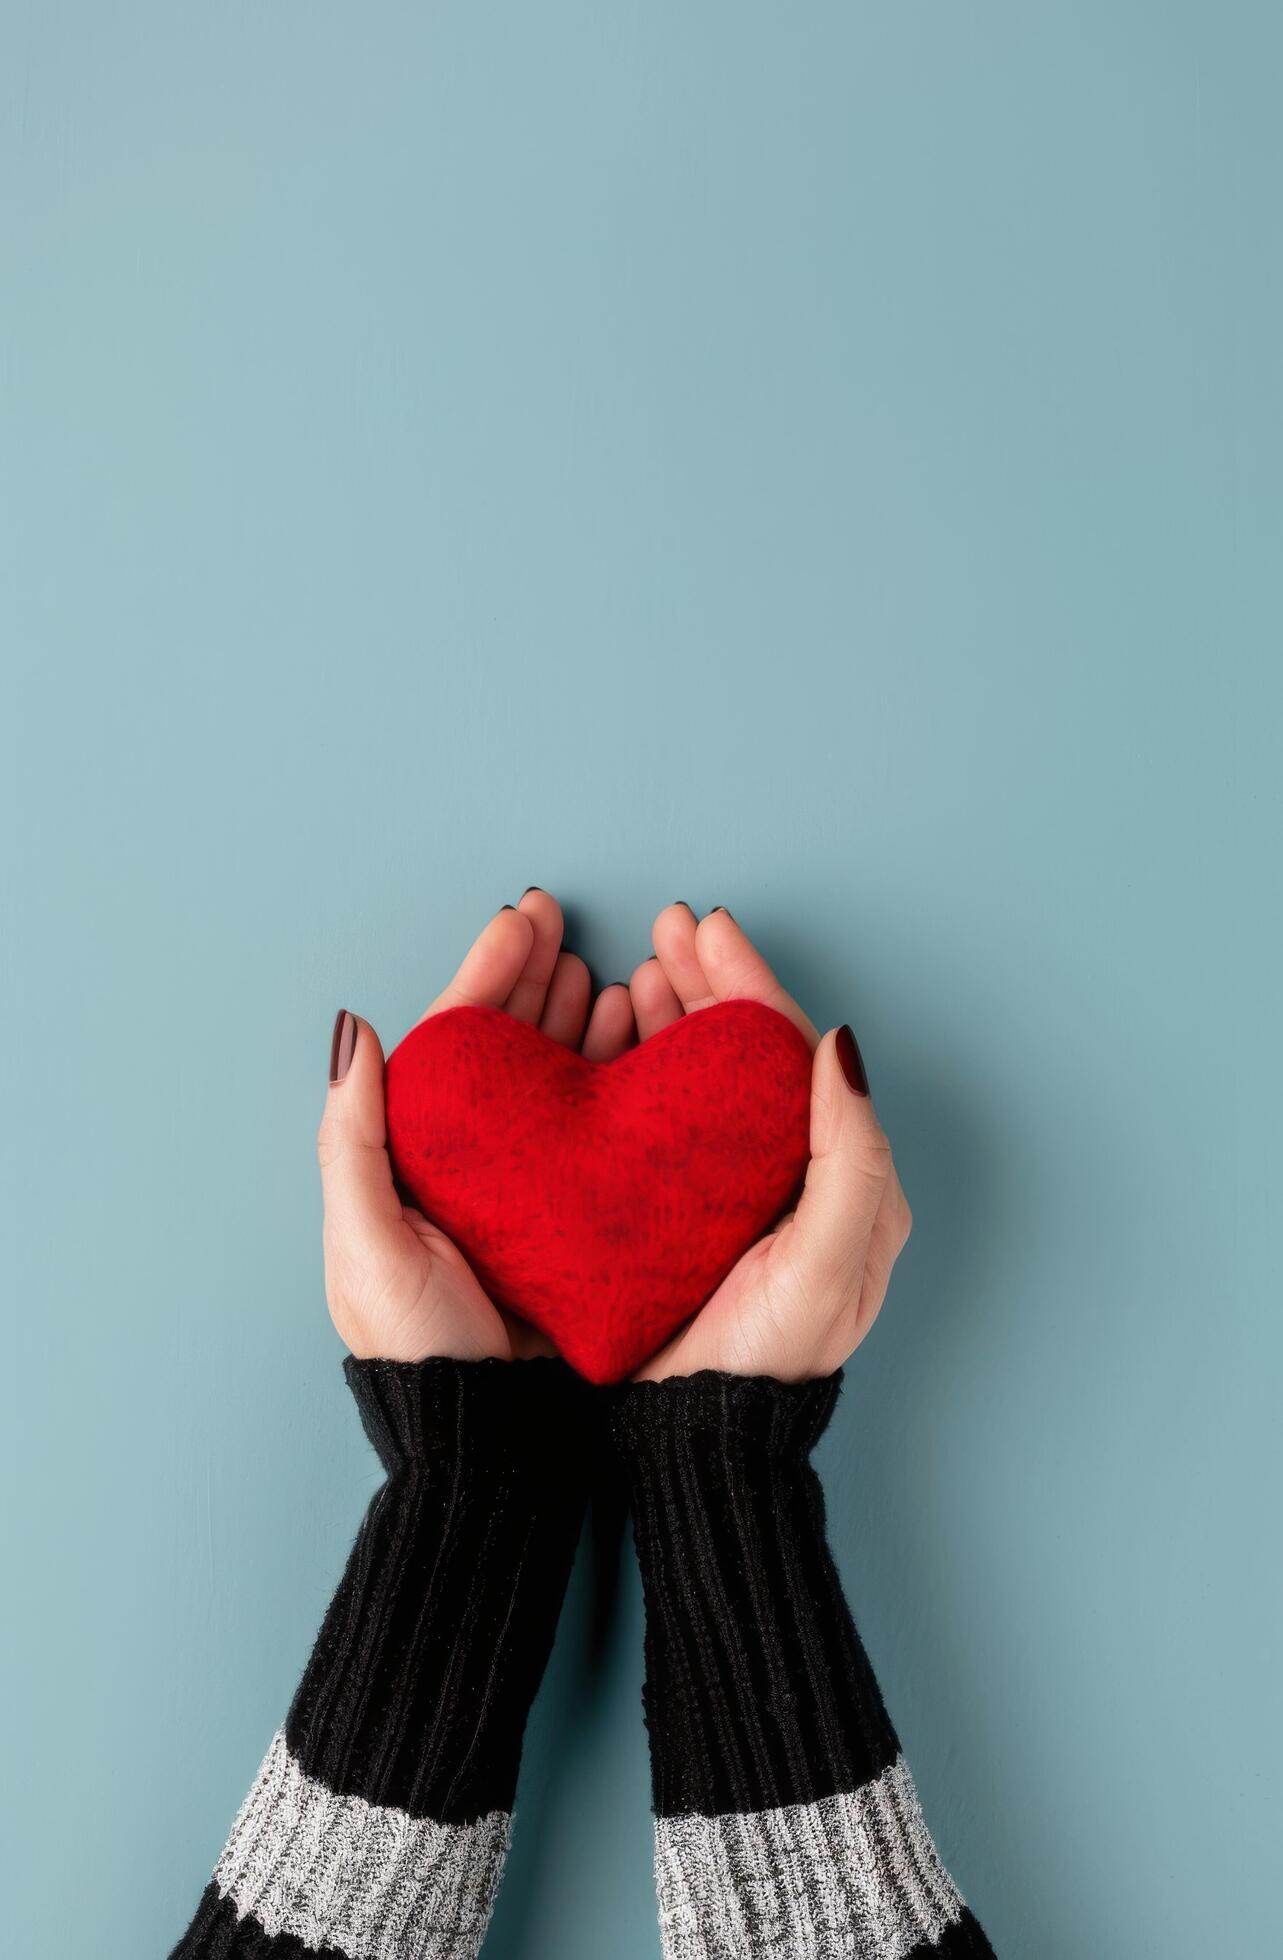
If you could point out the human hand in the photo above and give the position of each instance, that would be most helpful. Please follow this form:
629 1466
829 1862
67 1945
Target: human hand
397 1287
804 1297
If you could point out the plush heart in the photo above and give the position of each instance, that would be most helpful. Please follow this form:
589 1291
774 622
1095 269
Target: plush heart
603 1202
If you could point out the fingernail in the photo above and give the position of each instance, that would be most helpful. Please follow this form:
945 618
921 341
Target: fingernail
342 1045
509 908
531 888
722 908
682 901
852 1061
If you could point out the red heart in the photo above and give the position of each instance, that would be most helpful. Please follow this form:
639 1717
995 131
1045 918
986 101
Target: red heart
603 1202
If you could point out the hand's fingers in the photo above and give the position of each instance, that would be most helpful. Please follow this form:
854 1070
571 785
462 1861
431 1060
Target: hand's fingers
565 1011
735 970
356 1176
848 1175
611 1027
654 1002
673 936
492 965
526 1001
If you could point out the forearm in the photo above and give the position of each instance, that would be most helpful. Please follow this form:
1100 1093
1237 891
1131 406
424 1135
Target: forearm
377 1826
787 1825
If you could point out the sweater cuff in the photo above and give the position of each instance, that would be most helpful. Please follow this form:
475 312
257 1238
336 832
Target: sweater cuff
758 1693
769 1418
425 1666
528 1414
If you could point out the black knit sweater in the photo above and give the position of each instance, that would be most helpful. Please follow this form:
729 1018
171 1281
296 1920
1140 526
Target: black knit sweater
787 1827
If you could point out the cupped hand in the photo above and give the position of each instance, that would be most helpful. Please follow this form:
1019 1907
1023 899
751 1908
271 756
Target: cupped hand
804 1297
397 1287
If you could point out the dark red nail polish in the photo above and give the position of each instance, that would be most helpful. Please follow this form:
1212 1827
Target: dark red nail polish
342 1044
852 1061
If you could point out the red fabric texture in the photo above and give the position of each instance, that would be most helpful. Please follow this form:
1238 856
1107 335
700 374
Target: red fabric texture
603 1202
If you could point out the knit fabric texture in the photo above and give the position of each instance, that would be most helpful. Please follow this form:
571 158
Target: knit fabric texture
603 1202
377 1826
787 1824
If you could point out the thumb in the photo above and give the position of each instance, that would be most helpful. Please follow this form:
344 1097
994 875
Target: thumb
847 1176
356 1175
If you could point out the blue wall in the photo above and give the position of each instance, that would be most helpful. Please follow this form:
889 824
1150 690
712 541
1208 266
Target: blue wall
820 460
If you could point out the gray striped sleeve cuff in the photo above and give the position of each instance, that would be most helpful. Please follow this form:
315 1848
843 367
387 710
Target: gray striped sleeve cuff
360 1879
851 1877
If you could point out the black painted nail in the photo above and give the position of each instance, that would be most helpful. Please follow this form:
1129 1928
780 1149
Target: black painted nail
685 902
722 908
342 1044
507 908
531 888
852 1061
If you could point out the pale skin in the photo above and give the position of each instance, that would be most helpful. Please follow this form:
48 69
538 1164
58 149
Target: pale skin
797 1304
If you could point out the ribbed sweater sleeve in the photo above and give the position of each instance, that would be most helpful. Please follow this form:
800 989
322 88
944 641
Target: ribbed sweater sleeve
377 1827
787 1826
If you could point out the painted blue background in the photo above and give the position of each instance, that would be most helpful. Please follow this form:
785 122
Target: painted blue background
822 460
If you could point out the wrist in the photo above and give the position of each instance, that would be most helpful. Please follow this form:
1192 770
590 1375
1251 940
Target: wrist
411 1347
